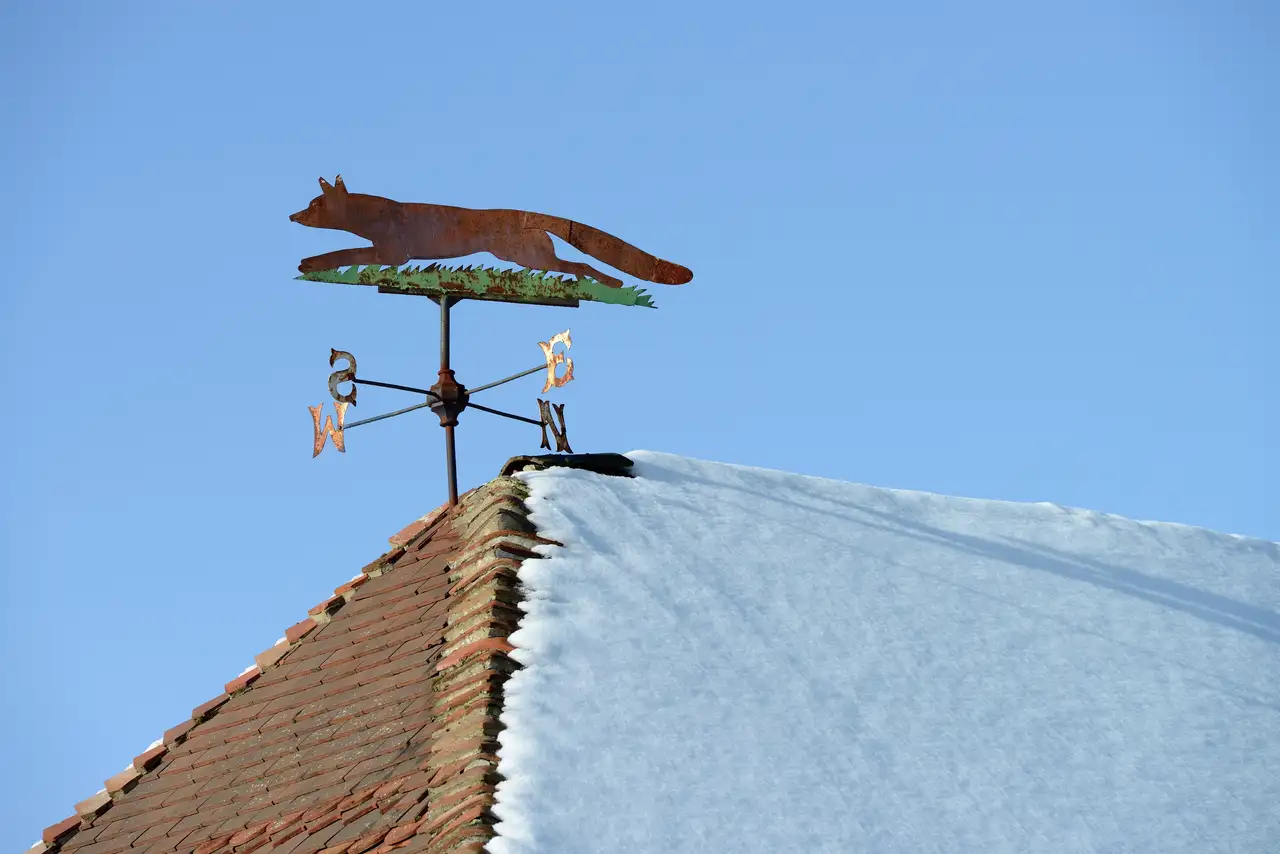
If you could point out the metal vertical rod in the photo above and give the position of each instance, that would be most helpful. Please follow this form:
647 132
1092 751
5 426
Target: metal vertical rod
450 449
452 462
444 333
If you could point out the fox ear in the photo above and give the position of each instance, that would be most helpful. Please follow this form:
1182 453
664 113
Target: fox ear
338 185
325 186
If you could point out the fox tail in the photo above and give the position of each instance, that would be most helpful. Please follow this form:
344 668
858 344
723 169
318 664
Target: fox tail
615 252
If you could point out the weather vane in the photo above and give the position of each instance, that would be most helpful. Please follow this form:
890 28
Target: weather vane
403 231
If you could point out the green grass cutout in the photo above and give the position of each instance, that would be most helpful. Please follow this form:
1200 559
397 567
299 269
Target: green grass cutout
486 283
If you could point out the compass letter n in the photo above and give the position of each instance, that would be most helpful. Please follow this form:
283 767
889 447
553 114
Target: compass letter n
328 430
561 434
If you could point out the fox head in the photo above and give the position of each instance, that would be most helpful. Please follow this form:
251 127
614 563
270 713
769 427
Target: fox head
327 210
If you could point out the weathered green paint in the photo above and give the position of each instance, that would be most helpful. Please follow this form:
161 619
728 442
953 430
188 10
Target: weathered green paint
485 283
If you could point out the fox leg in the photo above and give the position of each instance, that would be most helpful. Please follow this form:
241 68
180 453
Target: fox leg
535 250
347 257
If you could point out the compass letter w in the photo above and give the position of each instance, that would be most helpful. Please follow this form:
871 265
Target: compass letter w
328 430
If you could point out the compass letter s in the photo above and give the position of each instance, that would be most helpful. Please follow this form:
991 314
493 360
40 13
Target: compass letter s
323 433
346 375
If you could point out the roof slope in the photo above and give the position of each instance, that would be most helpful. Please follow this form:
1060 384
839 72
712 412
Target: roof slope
370 726
732 659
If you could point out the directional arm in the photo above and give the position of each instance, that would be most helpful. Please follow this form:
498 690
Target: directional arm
425 391
506 380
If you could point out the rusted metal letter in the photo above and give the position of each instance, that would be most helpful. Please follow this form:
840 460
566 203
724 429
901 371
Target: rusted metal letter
561 434
555 359
347 375
323 433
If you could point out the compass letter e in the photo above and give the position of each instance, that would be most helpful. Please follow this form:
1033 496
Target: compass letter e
323 433
554 360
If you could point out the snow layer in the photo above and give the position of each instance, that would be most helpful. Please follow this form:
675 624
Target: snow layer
732 659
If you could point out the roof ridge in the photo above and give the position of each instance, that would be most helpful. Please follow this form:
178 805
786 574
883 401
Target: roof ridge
86 811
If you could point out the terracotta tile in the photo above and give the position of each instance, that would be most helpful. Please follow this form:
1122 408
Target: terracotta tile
377 564
244 709
375 769
205 709
392 584
362 811
486 645
121 781
495 574
406 575
465 830
314 842
299 630
447 748
110 845
287 845
332 642
254 845
270 656
455 817
407 809
360 829
285 822
340 848
212 845
322 755
408 532
94 805
147 761
275 719
310 790
350 585
333 603
280 837
182 793
326 816
274 691
375 633
174 735
469 848
54 831
244 680
320 811
180 763
367 842
403 832
118 818
248 833
170 812
411 604
202 819
238 732
475 792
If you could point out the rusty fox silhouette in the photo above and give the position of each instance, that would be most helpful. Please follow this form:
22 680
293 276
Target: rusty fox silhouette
404 230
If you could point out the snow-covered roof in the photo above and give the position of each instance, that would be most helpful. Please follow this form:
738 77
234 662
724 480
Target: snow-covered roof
712 657
731 659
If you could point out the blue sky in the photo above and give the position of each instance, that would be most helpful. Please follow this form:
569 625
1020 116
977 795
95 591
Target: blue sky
979 249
